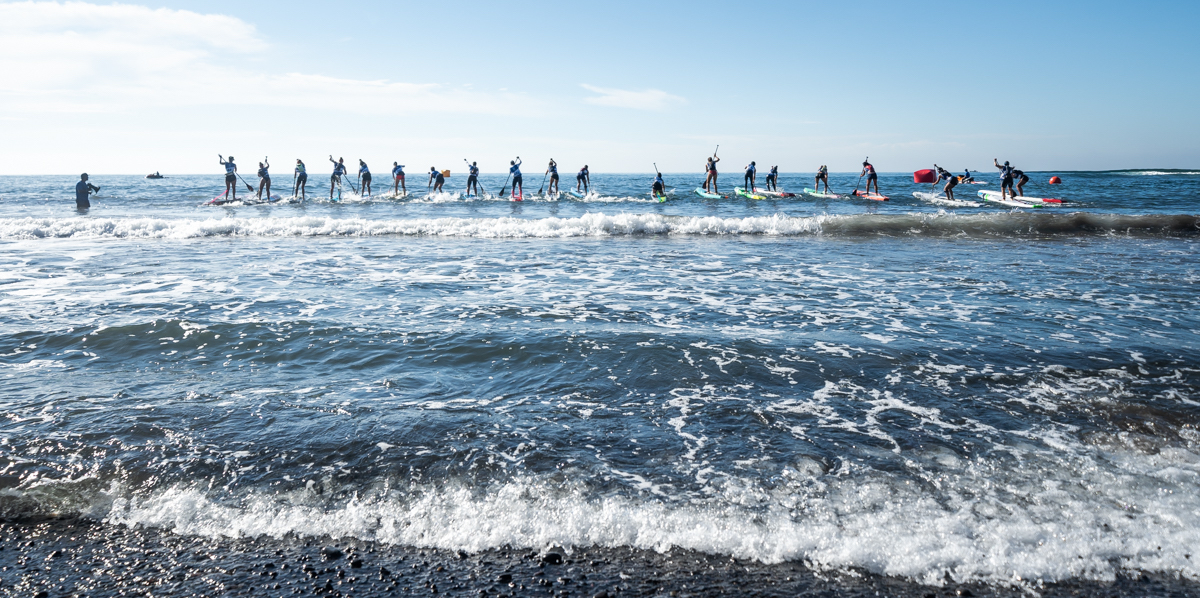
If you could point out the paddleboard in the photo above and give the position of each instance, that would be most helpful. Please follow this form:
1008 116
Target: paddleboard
994 197
815 193
865 195
774 193
707 195
218 199
577 194
518 197
1026 199
942 199
742 192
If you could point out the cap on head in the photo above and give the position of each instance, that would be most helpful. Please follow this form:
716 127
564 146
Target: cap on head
1006 162
83 176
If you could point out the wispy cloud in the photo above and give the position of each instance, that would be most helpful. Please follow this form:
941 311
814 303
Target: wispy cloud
649 99
83 57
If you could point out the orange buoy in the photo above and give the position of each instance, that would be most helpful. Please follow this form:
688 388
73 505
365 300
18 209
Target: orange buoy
1055 180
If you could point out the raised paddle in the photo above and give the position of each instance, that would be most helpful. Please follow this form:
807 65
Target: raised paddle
482 191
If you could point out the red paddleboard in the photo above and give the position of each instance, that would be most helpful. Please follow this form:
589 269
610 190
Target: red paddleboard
217 199
516 197
864 195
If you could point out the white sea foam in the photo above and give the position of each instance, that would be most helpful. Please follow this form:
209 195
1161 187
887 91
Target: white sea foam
1056 529
594 225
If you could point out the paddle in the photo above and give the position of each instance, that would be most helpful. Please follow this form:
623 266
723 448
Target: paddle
239 175
505 185
544 176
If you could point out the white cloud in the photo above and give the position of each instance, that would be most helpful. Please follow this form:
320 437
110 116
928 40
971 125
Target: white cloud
82 57
650 99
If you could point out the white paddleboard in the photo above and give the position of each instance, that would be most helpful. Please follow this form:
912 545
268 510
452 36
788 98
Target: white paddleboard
1049 201
994 197
942 199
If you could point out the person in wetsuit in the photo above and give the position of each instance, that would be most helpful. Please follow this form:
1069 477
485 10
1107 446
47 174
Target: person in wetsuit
300 179
230 177
659 188
264 178
1021 180
751 174
822 175
473 178
951 181
710 174
552 170
437 179
514 169
869 171
398 178
335 179
82 189
364 178
1006 178
772 177
583 179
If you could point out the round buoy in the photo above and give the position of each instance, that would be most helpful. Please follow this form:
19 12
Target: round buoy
1055 180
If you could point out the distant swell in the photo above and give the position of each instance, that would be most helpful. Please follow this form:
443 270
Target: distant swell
1006 224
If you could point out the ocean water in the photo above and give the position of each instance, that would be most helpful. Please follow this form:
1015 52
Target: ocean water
968 395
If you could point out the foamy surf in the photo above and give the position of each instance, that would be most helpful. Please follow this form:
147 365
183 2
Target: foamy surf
604 225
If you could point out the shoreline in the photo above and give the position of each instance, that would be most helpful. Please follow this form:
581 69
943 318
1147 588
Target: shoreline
49 557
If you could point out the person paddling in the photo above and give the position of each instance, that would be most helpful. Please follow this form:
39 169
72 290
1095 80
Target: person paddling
473 179
437 179
751 174
364 178
300 179
659 188
1006 178
710 174
869 171
82 189
398 178
583 180
514 169
772 177
552 170
1021 180
822 176
230 177
339 168
264 178
951 181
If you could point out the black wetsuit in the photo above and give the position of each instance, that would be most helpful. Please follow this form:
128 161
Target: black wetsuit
82 188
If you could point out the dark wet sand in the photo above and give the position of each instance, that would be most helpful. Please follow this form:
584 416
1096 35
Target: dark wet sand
74 557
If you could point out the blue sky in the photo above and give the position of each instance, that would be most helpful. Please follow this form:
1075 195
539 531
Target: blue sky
133 88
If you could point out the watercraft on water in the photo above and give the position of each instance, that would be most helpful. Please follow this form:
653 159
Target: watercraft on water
988 194
743 193
872 196
942 199
995 197
707 195
773 193
815 193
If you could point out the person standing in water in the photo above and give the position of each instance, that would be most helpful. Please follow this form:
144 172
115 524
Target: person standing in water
1021 180
751 174
772 177
710 174
659 188
1006 178
264 178
822 176
82 189
473 179
339 168
552 170
436 179
951 181
872 176
398 178
364 178
300 179
584 180
514 169
230 177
